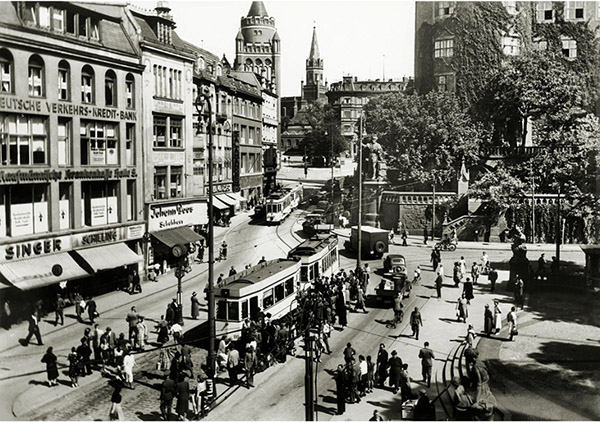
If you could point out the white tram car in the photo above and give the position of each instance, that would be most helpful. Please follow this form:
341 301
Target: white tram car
281 203
318 257
270 286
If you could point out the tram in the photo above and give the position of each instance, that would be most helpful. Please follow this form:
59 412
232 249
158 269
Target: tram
281 203
318 257
270 286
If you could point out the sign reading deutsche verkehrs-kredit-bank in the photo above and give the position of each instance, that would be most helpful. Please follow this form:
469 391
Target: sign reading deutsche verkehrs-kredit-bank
66 109
178 214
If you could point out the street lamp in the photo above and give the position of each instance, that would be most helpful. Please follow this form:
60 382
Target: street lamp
203 106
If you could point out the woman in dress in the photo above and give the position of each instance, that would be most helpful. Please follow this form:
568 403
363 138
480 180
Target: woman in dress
456 274
183 397
51 368
195 306
488 320
497 317
462 312
74 367
470 336
468 290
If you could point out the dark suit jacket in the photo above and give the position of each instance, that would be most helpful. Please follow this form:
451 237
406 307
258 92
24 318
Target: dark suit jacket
167 391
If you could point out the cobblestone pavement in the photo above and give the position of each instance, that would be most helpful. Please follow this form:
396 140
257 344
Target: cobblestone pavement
92 401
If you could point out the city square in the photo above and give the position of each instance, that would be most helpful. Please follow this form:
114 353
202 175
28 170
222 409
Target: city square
184 237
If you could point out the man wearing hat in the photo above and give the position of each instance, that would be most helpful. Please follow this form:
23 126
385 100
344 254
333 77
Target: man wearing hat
426 355
195 306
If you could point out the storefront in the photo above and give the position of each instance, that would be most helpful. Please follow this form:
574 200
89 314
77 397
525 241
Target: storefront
170 224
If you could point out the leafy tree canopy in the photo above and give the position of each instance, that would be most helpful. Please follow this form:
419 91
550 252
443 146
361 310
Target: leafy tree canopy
424 137
324 129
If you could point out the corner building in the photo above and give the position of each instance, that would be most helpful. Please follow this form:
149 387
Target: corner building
71 166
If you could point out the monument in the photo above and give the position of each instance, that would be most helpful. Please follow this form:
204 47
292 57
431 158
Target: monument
374 179
519 263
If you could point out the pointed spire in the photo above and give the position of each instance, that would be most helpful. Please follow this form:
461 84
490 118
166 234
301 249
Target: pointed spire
257 9
314 47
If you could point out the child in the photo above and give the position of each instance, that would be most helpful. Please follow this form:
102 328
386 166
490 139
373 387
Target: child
417 276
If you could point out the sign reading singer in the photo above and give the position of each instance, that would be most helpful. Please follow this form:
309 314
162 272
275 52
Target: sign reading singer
170 216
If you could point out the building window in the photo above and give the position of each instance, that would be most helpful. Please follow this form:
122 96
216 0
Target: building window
540 44
63 80
100 205
574 10
129 144
444 48
544 11
511 7
23 140
176 138
44 16
445 8
160 183
58 20
23 209
442 83
87 85
6 71
200 63
129 91
64 141
569 47
36 76
176 186
131 208
110 89
511 44
99 143
160 132
64 208
71 26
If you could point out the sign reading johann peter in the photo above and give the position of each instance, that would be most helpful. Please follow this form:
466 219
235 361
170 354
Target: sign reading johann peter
178 214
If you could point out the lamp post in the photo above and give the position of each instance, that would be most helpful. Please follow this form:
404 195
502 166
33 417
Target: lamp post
203 104
359 234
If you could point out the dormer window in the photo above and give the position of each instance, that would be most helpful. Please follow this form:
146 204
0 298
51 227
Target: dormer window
445 8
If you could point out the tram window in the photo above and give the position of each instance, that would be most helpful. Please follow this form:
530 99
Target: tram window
289 286
222 309
245 309
233 311
304 273
279 292
268 299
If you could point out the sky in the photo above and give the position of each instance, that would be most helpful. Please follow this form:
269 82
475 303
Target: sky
367 39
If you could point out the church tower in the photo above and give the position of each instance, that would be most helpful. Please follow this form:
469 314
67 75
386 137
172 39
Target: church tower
314 88
258 47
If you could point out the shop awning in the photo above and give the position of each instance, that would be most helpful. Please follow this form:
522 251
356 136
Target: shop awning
236 197
179 235
220 205
224 198
37 272
109 256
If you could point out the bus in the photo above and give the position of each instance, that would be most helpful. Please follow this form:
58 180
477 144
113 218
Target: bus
318 257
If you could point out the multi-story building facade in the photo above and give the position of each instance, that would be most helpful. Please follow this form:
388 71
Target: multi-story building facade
168 113
71 161
270 136
247 136
349 96
292 108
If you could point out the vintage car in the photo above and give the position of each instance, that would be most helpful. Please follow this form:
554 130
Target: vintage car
395 264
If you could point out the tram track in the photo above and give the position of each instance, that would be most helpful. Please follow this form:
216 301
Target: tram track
296 238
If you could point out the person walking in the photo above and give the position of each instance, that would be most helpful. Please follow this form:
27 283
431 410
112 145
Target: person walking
405 388
195 306
426 355
85 352
349 353
475 272
492 277
519 292
470 336
416 322
73 367
116 411
488 320
142 330
34 330
497 317
183 397
382 364
91 308
51 367
223 251
360 301
233 363
250 363
370 374
364 376
128 364
79 305
439 282
462 311
132 321
440 271
425 235
395 365
456 274
59 310
511 318
404 236
167 394
468 290
340 308
340 390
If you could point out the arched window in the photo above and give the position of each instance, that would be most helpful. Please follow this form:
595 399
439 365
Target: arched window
64 80
6 71
219 70
87 85
129 91
200 63
110 88
36 76
249 65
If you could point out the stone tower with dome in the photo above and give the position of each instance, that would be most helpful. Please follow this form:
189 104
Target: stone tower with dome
258 47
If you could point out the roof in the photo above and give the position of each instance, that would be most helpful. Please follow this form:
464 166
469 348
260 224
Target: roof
145 22
314 46
254 275
312 246
257 9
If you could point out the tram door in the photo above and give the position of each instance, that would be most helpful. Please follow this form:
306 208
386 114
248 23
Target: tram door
253 307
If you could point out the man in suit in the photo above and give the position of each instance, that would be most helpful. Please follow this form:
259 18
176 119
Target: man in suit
416 322
33 329
426 355
132 320
395 364
382 364
59 310
167 393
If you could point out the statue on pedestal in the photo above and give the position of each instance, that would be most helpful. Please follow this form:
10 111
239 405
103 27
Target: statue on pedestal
519 263
374 164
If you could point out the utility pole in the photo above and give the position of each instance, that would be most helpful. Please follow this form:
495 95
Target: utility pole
433 212
532 204
309 411
558 231
359 234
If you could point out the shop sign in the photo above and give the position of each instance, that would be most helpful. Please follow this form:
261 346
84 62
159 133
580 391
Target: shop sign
169 216
168 157
34 248
25 176
65 109
168 106
135 232
222 188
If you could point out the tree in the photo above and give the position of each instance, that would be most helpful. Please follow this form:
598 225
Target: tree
425 137
324 129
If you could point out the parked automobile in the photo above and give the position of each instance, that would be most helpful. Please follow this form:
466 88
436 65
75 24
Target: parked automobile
395 264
